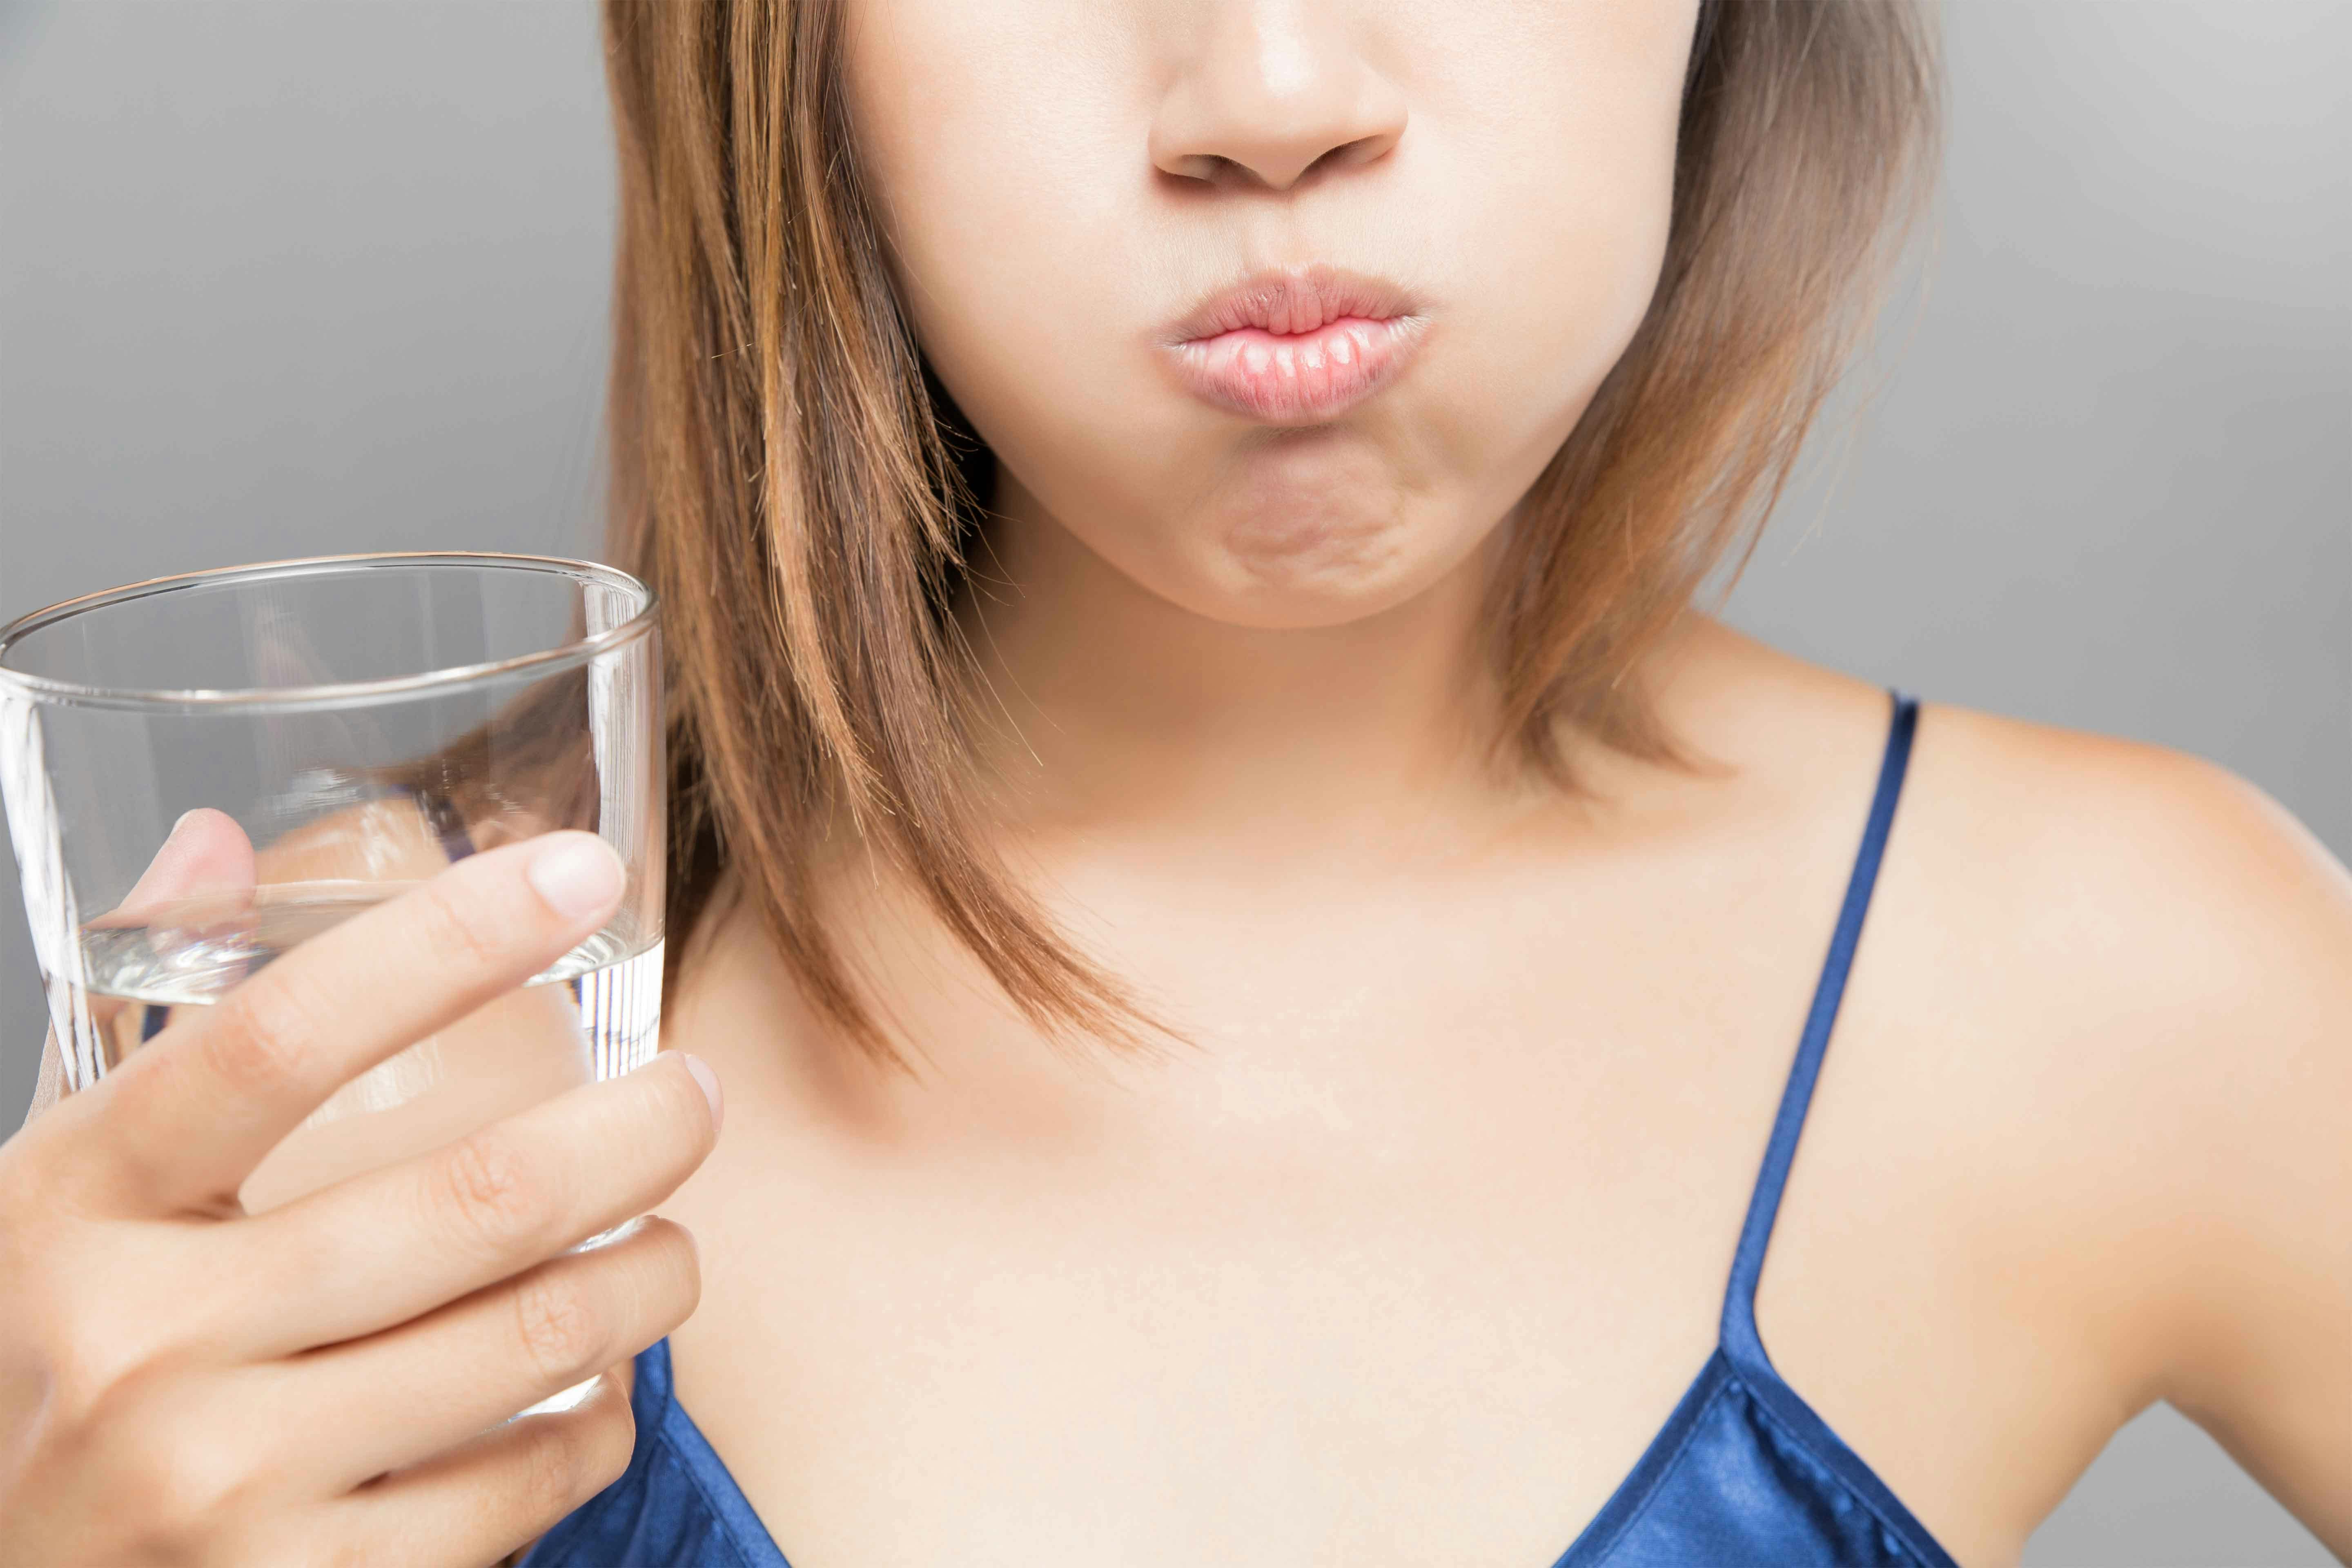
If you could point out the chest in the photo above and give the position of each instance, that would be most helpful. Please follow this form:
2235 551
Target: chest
1414 1288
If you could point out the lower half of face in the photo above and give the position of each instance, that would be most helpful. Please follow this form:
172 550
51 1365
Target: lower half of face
1277 308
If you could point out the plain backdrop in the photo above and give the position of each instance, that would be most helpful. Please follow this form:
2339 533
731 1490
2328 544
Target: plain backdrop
293 278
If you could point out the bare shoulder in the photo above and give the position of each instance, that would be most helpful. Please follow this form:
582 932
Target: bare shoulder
2133 935
2068 797
2101 915
2134 968
2171 914
2082 1131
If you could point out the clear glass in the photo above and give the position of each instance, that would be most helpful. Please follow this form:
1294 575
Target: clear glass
203 772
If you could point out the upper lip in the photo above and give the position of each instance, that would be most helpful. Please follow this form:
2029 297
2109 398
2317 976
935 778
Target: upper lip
1290 299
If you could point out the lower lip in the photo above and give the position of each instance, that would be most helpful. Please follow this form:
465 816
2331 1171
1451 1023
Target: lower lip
1296 378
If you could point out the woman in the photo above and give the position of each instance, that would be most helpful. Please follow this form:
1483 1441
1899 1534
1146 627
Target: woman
1275 976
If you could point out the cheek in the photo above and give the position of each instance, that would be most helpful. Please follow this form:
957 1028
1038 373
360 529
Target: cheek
1553 179
999 142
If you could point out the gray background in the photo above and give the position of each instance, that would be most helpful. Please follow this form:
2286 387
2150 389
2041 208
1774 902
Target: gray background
289 278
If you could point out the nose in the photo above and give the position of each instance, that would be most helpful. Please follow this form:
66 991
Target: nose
1268 91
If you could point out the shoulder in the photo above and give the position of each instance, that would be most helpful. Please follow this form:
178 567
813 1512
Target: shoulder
2098 945
2084 1114
2151 958
2113 978
2055 883
2081 948
2172 913
2152 961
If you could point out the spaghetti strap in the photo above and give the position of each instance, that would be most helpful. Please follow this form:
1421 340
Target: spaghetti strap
1740 1340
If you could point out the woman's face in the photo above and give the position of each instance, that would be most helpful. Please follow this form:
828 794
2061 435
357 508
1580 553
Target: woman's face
1444 218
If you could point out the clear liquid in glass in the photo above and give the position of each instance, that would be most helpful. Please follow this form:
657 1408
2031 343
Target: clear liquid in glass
594 1013
187 954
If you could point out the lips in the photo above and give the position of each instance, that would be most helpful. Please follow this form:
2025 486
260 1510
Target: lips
1295 346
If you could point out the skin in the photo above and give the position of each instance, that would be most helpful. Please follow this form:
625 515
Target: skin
1404 1255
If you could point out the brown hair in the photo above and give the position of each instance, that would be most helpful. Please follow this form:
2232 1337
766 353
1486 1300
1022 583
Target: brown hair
800 491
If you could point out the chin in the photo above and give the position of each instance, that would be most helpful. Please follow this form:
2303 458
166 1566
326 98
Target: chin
1305 537
1300 567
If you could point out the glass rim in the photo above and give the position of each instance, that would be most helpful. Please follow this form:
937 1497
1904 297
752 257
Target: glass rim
579 650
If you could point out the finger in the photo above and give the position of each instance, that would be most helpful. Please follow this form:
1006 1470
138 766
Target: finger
480 1500
186 1119
206 865
206 858
200 881
378 1249
398 1398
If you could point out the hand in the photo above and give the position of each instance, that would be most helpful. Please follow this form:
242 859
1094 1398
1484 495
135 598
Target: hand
186 1382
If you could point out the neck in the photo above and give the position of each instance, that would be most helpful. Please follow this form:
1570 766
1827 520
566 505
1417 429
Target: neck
1108 707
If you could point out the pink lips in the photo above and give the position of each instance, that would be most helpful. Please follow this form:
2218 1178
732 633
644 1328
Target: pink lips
1295 346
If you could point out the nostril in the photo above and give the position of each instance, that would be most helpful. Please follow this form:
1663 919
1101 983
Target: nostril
1212 169
1217 169
1331 159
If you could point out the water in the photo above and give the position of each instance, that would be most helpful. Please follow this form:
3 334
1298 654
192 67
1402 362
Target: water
188 953
594 1013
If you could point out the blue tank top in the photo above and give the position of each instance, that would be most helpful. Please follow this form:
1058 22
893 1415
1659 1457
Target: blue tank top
1744 1475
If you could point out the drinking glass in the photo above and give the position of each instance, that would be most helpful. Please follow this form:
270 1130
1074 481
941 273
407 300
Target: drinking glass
203 772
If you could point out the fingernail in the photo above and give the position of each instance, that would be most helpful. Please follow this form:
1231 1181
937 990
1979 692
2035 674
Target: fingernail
577 874
709 1082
